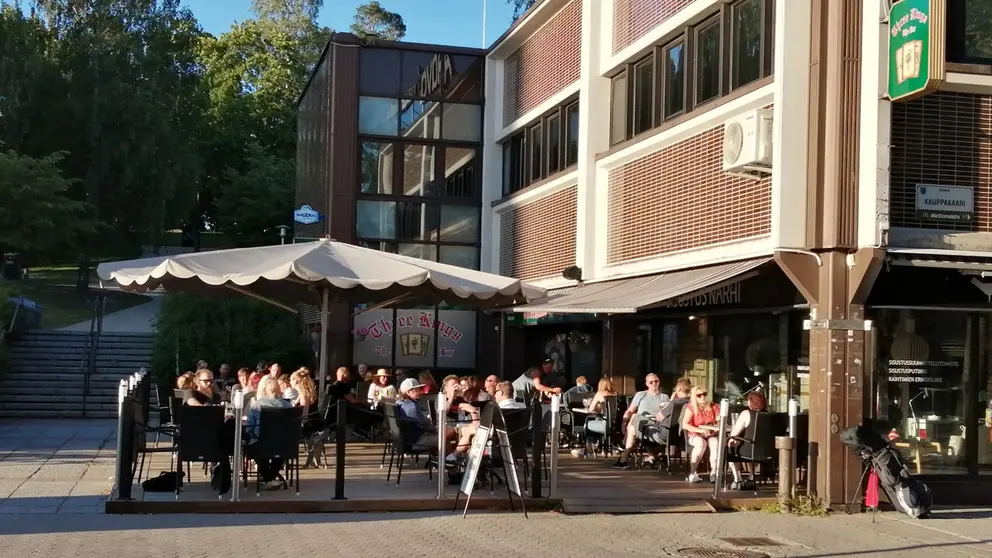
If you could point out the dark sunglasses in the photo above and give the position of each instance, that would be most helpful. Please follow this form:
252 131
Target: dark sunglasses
704 394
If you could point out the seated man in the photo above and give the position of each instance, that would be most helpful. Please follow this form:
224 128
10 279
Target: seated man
503 394
416 425
578 392
203 392
645 404
652 429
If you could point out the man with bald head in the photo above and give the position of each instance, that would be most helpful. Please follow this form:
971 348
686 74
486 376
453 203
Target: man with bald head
644 405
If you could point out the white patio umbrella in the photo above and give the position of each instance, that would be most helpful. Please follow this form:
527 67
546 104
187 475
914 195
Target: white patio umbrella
319 272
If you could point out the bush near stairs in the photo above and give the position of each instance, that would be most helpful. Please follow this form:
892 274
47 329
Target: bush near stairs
47 374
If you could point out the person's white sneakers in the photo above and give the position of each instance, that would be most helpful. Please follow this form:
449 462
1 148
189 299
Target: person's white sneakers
578 452
712 477
694 478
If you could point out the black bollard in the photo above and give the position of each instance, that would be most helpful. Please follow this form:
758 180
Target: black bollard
340 437
125 437
537 450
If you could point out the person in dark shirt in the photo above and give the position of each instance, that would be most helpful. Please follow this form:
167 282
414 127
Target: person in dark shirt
342 388
412 418
203 393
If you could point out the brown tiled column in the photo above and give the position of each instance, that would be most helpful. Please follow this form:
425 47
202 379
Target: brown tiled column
837 278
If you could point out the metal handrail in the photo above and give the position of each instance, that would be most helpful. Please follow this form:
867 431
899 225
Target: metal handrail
92 343
4 332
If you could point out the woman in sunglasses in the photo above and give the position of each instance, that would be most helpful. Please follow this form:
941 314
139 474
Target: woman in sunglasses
700 412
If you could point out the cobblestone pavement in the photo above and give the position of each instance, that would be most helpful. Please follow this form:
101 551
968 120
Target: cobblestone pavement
54 475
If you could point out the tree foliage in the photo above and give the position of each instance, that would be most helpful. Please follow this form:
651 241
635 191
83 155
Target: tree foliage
373 20
36 201
238 331
520 7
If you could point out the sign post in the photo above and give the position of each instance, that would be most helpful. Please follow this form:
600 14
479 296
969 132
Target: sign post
555 432
917 51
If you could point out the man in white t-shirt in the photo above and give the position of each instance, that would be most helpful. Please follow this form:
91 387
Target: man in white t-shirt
504 397
645 404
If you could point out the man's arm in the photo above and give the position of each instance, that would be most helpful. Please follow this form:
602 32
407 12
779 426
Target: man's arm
633 406
539 386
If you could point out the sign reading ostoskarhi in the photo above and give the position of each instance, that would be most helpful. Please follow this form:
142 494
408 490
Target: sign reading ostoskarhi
917 51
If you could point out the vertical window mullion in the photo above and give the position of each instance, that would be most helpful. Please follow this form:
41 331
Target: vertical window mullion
657 100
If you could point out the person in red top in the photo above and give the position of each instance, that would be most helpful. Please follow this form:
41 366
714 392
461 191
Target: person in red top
700 412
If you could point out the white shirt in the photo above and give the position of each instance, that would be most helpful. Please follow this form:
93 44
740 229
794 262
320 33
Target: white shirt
511 404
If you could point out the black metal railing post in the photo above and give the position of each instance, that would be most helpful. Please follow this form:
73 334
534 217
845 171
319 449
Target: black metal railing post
125 450
340 437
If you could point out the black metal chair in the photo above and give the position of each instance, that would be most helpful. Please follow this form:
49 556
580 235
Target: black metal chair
609 414
140 443
403 443
518 431
667 437
201 438
279 435
757 445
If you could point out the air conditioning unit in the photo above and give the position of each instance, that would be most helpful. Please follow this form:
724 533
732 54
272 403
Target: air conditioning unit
747 144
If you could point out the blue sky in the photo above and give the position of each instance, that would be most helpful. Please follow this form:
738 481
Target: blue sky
449 22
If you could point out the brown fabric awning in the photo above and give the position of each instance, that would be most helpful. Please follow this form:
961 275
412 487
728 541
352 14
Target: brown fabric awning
628 296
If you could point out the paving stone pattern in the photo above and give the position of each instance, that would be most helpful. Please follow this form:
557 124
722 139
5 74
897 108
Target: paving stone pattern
55 474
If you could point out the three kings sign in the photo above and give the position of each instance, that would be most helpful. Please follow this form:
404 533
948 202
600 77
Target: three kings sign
916 48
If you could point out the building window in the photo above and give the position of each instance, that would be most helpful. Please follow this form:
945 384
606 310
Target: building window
376 167
461 122
459 171
708 62
618 127
416 221
514 163
674 98
554 144
459 223
643 99
969 31
462 256
536 149
378 116
745 28
418 170
572 134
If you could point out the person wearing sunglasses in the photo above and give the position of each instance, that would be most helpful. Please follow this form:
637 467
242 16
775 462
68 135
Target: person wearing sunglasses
203 392
699 413
644 405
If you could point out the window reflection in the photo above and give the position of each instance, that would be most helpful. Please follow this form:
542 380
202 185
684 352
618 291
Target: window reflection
746 30
419 119
376 219
380 72
416 221
572 138
462 122
708 63
618 132
376 168
643 96
459 173
462 256
675 80
978 30
459 223
421 251
377 116
418 170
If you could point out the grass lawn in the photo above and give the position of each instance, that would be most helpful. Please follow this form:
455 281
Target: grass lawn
54 289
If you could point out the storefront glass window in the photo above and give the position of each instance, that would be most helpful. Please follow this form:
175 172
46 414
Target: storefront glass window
376 219
378 116
462 122
925 375
376 168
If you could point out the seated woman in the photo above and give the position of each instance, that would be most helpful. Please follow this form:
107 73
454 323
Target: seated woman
268 398
596 427
755 403
289 392
466 415
186 381
700 412
381 388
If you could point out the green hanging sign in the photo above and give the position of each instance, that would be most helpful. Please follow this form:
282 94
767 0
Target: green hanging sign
917 53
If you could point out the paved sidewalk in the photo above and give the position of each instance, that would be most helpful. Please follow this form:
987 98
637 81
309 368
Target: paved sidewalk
62 466
137 319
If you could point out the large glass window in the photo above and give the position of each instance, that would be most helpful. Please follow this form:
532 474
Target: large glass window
708 62
969 31
378 116
644 95
554 144
618 126
459 223
674 79
419 251
376 167
514 153
418 170
462 256
746 27
572 134
420 119
462 122
459 170
416 221
376 219
380 72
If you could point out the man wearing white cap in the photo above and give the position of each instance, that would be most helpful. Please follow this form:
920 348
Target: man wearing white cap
418 425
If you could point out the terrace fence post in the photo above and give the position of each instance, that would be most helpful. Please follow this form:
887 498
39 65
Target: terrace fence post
537 449
340 438
785 446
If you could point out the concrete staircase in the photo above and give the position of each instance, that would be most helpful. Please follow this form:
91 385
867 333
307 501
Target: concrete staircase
47 375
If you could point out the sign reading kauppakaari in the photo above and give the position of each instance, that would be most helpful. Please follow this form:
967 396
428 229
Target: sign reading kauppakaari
917 53
945 203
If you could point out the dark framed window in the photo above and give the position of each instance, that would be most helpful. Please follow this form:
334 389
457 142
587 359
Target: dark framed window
572 134
380 72
618 112
674 79
708 61
461 178
747 37
535 137
554 144
643 99
376 167
969 31
548 146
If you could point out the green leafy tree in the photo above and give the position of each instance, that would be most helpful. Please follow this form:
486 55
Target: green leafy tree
373 20
36 202
520 7
245 206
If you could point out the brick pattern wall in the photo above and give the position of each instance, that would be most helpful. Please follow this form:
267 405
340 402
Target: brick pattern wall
943 139
538 239
632 19
544 65
679 198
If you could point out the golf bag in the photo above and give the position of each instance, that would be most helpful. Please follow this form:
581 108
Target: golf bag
905 493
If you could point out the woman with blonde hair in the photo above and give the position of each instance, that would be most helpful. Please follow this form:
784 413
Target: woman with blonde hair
595 428
700 413
300 380
186 381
